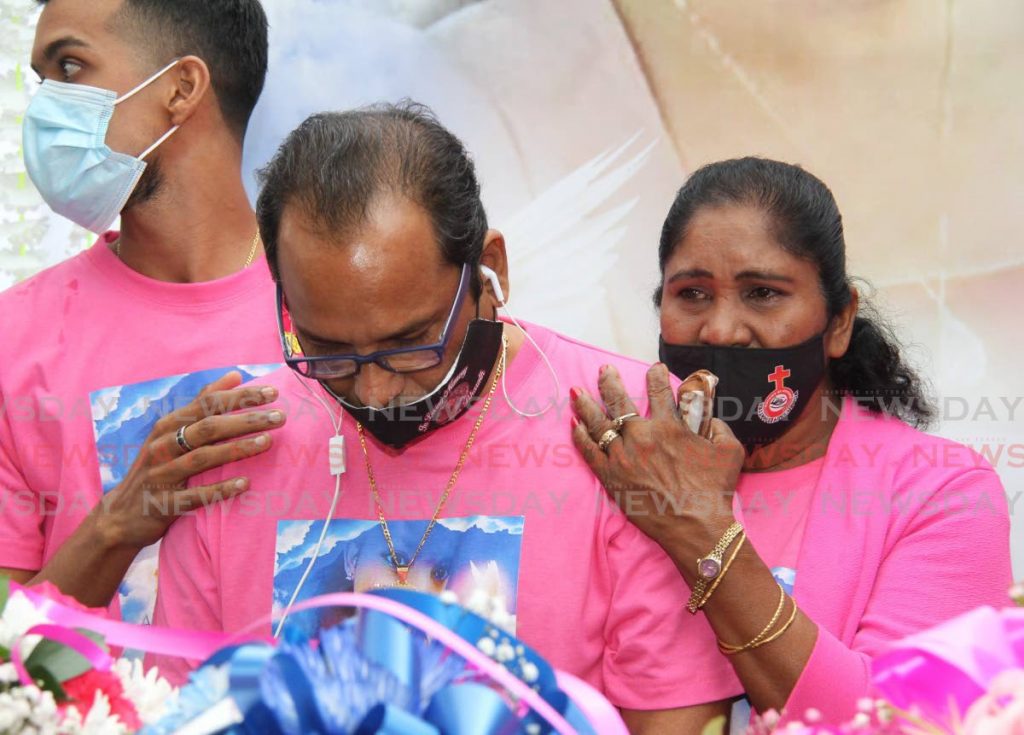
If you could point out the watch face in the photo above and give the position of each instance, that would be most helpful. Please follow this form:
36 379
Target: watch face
709 568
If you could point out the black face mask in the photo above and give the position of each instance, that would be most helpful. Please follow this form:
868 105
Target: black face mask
761 392
397 426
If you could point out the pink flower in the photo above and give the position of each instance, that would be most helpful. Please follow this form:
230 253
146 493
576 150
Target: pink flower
82 692
1000 711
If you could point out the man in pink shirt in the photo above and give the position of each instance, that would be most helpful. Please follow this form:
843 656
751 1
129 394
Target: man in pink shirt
141 112
461 477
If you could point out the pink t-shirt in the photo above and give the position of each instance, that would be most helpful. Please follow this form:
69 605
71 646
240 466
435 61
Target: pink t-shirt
527 533
893 523
773 508
94 354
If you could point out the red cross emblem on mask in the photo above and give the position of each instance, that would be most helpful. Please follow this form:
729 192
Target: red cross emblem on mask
777 405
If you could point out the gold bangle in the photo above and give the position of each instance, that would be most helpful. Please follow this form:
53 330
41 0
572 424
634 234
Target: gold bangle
783 629
718 579
733 651
728 648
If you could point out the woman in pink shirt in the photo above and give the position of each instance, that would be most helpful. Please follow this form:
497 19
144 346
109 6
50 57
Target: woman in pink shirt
816 522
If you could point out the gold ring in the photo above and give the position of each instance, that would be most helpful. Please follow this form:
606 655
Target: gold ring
617 423
607 438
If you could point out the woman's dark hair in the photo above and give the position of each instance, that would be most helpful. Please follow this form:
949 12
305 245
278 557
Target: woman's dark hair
335 164
805 221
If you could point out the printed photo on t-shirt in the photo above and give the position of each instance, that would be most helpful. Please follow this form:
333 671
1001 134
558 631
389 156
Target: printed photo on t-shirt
473 561
123 417
786 576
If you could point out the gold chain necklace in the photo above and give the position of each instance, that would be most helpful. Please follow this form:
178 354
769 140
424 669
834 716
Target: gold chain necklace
248 261
402 570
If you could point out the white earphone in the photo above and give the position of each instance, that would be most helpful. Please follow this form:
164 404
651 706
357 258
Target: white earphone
336 458
492 277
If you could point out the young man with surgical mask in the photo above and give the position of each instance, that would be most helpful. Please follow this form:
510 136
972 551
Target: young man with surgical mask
141 113
460 478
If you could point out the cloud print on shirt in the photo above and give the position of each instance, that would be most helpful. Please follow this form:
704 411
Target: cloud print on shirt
123 416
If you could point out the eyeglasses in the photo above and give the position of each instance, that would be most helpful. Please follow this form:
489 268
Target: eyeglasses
398 360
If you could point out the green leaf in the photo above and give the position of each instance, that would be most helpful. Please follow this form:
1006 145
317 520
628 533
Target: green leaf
62 662
5 590
5 655
715 726
46 681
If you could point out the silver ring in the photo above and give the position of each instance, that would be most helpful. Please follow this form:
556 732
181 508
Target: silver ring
182 441
617 423
607 438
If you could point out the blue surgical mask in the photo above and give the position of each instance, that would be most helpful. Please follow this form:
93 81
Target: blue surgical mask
67 157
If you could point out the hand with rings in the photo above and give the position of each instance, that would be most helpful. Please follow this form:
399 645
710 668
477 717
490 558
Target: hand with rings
671 480
615 432
223 424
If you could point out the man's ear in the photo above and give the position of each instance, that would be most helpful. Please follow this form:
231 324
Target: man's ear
839 332
191 79
495 258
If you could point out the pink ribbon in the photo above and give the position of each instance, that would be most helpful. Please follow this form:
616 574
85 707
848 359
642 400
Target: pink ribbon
87 648
191 644
600 713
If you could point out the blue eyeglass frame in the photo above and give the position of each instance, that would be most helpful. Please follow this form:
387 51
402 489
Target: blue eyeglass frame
380 357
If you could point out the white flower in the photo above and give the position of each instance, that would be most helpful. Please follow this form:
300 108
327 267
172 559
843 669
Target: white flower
18 616
149 692
28 711
861 721
99 720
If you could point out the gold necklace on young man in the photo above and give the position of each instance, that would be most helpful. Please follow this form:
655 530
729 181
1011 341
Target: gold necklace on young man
402 570
248 261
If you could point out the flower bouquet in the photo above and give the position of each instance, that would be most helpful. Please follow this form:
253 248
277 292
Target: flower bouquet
57 680
407 663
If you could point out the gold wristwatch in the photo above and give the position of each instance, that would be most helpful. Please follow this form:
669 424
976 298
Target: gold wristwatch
710 566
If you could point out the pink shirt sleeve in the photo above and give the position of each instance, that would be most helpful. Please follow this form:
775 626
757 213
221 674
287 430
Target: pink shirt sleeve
659 656
951 556
21 512
187 593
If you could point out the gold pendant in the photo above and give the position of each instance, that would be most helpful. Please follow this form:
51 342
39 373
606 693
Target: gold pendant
403 575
